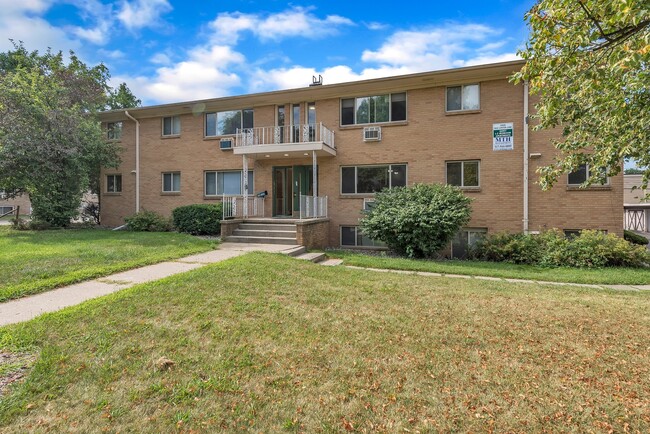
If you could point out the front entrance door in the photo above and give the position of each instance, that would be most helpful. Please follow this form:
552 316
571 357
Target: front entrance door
288 184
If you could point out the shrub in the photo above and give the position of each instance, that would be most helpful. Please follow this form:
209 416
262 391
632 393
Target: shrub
419 220
590 249
200 219
635 238
91 212
148 221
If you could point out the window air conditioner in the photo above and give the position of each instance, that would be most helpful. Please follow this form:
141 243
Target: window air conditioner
226 143
372 134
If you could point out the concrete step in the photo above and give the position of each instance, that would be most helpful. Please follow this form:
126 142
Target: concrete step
263 233
267 227
332 262
295 251
313 257
261 240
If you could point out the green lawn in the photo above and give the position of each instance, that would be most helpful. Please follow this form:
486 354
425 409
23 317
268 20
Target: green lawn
33 262
266 343
604 276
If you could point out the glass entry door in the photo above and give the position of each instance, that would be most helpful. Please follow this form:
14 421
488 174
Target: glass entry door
288 184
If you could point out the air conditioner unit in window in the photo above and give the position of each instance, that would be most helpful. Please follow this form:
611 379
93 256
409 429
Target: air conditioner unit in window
372 134
368 203
226 143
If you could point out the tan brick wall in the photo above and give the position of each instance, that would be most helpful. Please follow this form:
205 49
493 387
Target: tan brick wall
21 201
313 234
428 139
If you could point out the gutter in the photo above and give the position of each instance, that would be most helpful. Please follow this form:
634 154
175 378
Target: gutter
137 160
526 118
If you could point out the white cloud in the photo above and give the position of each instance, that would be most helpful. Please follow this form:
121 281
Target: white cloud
160 59
376 26
142 13
112 54
297 21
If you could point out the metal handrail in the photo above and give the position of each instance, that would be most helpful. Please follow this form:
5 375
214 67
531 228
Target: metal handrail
287 134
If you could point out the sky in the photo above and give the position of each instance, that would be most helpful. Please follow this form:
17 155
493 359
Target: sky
172 51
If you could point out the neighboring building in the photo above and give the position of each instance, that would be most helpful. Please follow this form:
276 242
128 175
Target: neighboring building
463 126
636 204
7 205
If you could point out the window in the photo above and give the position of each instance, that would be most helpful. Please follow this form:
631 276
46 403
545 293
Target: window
113 183
352 236
463 98
373 109
463 173
224 123
370 179
6 210
584 172
171 126
171 182
226 182
114 130
464 240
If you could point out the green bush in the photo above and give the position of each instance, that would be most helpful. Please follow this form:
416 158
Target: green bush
148 221
552 249
200 219
419 220
635 238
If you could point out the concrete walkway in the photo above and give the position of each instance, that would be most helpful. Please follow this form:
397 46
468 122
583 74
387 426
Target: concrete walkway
24 309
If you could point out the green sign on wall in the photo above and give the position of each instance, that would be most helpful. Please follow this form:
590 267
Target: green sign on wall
503 137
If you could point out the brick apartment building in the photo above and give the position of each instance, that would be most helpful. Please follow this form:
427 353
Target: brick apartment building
463 126
9 205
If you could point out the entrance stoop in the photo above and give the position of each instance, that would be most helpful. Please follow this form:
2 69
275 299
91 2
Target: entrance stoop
264 232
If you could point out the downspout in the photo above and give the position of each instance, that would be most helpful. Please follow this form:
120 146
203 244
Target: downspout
137 160
525 220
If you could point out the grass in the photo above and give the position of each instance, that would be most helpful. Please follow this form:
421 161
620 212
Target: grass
33 262
265 343
603 276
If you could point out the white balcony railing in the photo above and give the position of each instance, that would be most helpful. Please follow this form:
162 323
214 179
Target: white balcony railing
238 207
289 134
313 206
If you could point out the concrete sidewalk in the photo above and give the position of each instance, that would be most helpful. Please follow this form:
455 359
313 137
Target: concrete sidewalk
26 308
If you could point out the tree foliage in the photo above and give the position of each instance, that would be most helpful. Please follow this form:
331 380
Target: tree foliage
122 98
418 220
588 60
51 143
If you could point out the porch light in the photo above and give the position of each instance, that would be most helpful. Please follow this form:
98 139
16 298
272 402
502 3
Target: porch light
267 155
286 155
306 154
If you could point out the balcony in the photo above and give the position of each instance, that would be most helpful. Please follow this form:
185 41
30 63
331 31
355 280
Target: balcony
285 141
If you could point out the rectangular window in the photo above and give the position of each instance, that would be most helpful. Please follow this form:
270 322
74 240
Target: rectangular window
465 97
351 236
113 183
218 183
584 172
114 130
464 240
463 173
171 126
373 109
171 182
227 122
6 209
371 179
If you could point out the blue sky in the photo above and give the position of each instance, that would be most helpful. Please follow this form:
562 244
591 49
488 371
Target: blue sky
168 51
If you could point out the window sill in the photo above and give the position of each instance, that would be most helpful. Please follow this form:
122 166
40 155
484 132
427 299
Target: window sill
225 136
356 195
170 193
206 197
463 112
470 189
113 193
379 124
173 136
591 188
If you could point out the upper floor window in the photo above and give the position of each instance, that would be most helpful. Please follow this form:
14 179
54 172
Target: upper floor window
226 123
171 126
228 182
114 130
463 173
373 109
113 183
371 179
171 182
584 172
466 97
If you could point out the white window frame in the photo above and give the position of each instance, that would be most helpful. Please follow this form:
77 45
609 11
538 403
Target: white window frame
112 128
462 173
356 177
173 133
114 175
588 174
462 91
390 110
173 174
241 124
216 189
356 239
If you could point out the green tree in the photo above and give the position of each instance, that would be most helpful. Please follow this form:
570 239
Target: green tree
418 220
588 60
122 98
50 138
